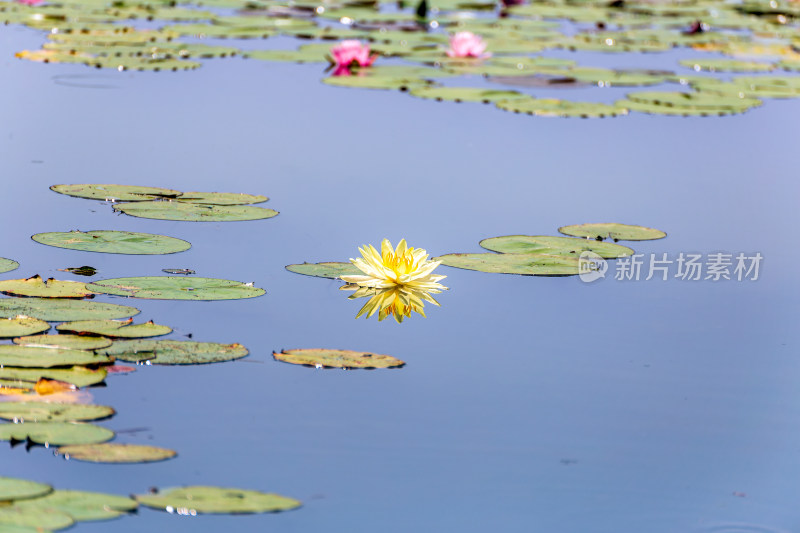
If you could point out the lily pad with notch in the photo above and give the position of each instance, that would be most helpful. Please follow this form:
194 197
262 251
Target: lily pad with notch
117 193
218 500
617 232
328 358
116 453
525 264
113 242
56 310
543 244
56 433
172 352
117 329
189 212
40 288
333 270
177 288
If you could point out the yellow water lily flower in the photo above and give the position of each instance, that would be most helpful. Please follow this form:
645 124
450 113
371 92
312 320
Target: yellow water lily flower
398 302
396 267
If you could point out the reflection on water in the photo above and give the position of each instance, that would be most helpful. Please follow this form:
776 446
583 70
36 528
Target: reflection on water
398 302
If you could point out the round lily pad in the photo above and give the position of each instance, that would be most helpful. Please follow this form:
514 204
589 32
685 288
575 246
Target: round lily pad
323 357
325 270
194 212
551 107
221 198
526 264
34 518
7 265
465 94
52 412
114 328
46 357
73 342
22 325
117 193
116 453
82 506
113 242
56 433
202 499
542 244
376 82
176 288
169 352
21 489
680 103
40 288
617 232
54 310
76 375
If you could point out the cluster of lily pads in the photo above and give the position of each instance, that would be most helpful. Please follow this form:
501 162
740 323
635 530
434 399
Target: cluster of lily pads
755 36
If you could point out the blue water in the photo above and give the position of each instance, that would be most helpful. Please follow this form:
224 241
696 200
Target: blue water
527 404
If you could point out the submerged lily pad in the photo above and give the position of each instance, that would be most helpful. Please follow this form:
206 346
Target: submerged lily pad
323 357
117 193
176 288
40 288
23 325
542 244
46 357
73 342
115 328
21 489
56 433
116 453
617 232
526 264
77 375
203 499
54 310
169 352
325 270
82 506
52 412
221 198
113 242
195 212
7 265
17 516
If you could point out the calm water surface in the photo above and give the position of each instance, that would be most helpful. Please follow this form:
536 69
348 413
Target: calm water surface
527 404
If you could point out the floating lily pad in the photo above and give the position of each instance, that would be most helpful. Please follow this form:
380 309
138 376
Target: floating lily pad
15 327
117 193
617 232
56 433
21 489
52 412
116 453
541 244
54 310
82 506
465 94
526 264
16 516
216 500
46 357
73 342
28 377
323 357
177 288
221 198
169 352
7 265
113 242
376 82
551 107
686 104
195 212
726 65
40 288
325 270
115 328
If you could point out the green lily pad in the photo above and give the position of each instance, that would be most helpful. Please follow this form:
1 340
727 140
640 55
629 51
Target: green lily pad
116 193
114 328
54 310
116 453
40 288
551 107
169 352
221 198
680 103
77 375
83 506
23 325
323 357
73 342
194 212
113 242
143 63
325 270
177 288
202 499
31 412
56 433
541 244
726 65
21 489
376 82
768 86
617 232
34 518
526 264
464 94
46 357
7 265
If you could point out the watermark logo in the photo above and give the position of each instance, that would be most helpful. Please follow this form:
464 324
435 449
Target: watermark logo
591 267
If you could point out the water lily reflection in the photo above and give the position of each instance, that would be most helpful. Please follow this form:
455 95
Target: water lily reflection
398 302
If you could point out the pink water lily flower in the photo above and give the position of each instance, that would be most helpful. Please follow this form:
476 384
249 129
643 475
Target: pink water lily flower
351 51
30 2
467 44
